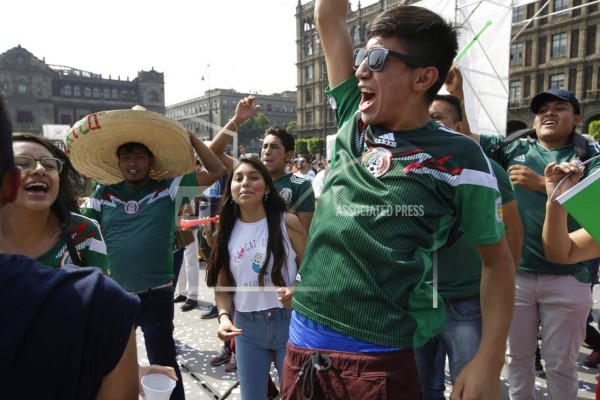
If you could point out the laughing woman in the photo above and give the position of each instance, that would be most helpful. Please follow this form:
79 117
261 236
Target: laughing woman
43 223
254 264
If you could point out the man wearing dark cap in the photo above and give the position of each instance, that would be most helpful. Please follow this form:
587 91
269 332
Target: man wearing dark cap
556 295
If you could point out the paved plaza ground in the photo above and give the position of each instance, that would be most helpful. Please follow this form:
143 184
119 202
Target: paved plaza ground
197 343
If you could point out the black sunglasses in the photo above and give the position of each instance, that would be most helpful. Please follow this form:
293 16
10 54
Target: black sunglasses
376 58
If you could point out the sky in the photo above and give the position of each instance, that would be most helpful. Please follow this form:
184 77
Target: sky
248 46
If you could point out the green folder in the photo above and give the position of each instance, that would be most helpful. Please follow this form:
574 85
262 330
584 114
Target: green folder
582 203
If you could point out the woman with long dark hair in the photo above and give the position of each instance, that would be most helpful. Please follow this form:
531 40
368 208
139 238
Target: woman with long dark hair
253 268
44 222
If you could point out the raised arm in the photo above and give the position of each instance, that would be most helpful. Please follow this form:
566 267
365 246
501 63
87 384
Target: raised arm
560 245
454 86
330 18
244 110
213 168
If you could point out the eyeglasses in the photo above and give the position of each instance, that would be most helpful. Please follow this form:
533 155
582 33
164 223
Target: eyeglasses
50 164
376 58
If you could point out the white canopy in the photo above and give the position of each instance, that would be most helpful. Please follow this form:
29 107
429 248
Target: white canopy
485 64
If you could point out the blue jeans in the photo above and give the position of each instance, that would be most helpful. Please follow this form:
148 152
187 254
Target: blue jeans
265 333
156 320
460 337
439 372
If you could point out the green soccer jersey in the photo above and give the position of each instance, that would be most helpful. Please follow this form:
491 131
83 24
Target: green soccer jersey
532 204
389 202
297 193
459 265
138 226
88 242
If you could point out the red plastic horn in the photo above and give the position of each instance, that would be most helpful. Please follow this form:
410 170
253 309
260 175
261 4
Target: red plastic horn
189 223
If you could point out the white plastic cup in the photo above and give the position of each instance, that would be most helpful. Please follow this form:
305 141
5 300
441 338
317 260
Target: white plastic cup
157 386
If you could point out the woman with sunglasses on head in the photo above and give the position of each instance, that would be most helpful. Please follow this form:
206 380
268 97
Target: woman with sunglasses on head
254 264
44 223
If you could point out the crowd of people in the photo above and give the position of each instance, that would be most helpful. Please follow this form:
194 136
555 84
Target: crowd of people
414 240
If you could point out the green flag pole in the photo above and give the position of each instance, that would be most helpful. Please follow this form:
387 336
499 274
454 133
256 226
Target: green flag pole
468 46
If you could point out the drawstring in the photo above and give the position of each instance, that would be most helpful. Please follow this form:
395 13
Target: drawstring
310 368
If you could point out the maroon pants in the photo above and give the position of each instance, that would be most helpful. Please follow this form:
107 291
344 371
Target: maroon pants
385 375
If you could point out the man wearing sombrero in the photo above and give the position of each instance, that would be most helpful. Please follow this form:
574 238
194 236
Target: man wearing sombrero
145 165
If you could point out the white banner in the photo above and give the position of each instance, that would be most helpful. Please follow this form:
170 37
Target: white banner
55 132
485 63
519 3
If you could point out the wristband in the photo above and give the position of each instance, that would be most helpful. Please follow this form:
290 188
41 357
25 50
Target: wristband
221 314
229 131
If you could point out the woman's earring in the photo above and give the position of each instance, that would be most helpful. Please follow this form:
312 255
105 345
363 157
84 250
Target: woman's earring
266 197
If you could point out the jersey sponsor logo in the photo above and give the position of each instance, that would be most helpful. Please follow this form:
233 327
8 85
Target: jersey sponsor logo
499 213
286 195
520 158
377 161
387 140
131 207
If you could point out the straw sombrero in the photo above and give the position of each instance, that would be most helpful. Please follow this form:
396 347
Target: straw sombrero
93 141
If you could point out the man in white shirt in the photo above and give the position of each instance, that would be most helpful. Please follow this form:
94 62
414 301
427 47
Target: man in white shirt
305 169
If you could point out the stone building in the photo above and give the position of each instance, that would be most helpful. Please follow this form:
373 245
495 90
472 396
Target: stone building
217 106
555 46
38 94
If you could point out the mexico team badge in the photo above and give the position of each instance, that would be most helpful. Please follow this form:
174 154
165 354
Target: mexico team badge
131 207
377 161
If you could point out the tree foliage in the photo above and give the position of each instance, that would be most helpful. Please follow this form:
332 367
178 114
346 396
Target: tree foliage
252 129
301 146
594 129
292 127
310 146
263 122
316 145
